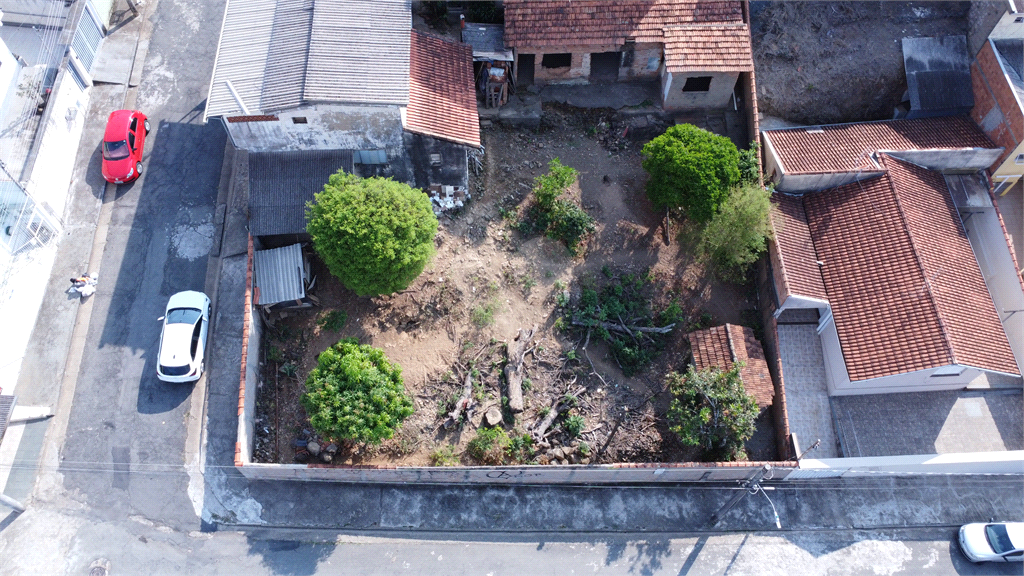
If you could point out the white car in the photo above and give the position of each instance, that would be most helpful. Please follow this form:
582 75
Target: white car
993 542
183 338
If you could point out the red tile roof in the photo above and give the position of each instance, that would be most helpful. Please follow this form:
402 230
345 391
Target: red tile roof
723 346
905 288
708 48
543 23
848 147
442 96
798 262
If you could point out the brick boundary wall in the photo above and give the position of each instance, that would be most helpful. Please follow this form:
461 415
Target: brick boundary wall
770 345
244 418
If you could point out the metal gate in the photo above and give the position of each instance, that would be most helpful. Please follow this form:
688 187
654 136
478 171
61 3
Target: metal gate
805 473
88 35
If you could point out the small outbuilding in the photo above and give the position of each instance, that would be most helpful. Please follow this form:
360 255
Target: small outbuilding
723 347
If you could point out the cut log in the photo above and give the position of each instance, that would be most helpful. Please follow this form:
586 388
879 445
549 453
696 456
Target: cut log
666 230
514 368
462 403
557 408
627 329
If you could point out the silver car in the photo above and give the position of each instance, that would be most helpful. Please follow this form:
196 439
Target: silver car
993 541
183 337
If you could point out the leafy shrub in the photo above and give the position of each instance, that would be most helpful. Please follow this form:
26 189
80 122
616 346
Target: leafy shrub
483 315
623 300
711 409
691 169
574 425
444 456
557 218
355 394
275 355
490 446
376 235
334 320
738 233
749 169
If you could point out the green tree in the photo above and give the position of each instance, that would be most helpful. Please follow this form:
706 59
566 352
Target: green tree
356 394
691 169
376 235
738 233
711 409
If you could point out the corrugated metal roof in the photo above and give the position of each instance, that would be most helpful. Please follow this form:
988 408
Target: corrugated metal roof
285 73
359 52
352 51
7 404
487 40
279 274
281 183
241 57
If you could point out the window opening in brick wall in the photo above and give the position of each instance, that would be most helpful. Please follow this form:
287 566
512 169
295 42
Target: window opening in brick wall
556 60
697 84
299 120
1019 159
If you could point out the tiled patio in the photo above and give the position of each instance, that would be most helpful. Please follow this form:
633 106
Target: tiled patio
807 401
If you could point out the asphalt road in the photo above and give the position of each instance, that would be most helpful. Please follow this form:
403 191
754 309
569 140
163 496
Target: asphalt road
126 432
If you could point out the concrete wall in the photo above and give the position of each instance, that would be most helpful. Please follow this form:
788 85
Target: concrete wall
9 70
719 94
997 111
801 183
595 474
1009 462
643 64
972 159
1005 27
327 127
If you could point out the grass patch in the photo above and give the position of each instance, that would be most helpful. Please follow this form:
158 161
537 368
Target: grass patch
333 321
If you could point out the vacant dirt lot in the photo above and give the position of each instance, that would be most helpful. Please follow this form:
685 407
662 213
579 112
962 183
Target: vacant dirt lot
486 282
827 62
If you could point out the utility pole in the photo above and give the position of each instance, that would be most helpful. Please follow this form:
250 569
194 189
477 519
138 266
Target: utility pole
752 482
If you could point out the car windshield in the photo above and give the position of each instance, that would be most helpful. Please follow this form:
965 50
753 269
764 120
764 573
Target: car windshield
998 539
183 316
174 370
115 150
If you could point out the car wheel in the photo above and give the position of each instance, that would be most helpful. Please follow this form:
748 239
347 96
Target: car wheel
147 127
138 169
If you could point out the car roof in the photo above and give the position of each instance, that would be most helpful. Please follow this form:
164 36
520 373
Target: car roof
176 346
188 299
1016 532
117 125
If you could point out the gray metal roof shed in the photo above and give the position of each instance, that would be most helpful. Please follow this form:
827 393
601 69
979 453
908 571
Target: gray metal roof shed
281 183
280 275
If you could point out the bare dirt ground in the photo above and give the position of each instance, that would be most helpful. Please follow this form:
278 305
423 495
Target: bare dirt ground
829 62
486 282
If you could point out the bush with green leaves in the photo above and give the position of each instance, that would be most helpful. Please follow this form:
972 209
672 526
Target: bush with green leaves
375 234
356 394
748 164
690 169
621 299
737 235
574 425
556 217
489 446
711 409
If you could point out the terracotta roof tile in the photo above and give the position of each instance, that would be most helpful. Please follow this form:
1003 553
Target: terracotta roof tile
798 261
442 97
540 23
848 147
723 346
905 288
708 47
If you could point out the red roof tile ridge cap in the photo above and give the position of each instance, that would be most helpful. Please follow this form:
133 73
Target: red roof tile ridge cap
917 254
782 258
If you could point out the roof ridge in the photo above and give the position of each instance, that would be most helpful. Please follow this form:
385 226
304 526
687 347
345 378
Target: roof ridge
917 256
728 340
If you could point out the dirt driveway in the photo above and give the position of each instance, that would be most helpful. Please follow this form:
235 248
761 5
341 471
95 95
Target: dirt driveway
486 282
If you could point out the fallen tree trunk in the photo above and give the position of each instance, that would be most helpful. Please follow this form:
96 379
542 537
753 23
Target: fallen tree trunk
557 408
627 329
514 368
462 403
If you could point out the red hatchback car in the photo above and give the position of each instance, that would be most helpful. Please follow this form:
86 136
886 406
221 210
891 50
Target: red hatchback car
122 145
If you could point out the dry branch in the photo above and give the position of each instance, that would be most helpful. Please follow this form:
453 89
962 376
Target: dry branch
463 401
557 408
514 368
626 329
